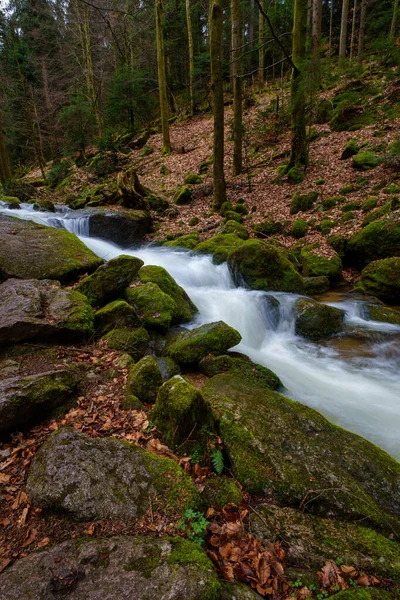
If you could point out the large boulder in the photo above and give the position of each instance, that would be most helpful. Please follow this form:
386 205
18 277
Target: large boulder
144 379
24 401
316 265
109 281
125 227
381 278
134 342
32 251
243 367
154 307
116 315
315 320
316 285
104 478
33 309
284 450
383 314
123 567
263 266
377 240
181 413
220 246
191 346
185 309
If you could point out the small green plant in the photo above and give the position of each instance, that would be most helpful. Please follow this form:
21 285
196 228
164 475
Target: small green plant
217 459
195 457
194 525
322 595
339 561
297 584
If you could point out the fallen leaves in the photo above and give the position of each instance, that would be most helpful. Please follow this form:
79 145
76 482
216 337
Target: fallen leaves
334 578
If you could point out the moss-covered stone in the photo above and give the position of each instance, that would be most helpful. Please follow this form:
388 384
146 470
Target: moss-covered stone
377 214
348 216
192 179
380 239
350 149
131 402
299 228
188 241
263 266
225 207
110 280
302 202
326 225
180 413
315 320
32 251
369 204
183 196
350 206
331 202
232 215
235 228
154 307
316 285
44 205
185 309
267 228
384 314
134 342
219 491
381 278
220 246
115 315
144 379
339 244
157 203
191 346
296 175
241 366
168 367
302 455
365 161
315 264
194 221
11 201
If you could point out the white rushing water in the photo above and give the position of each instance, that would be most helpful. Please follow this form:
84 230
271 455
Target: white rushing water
360 391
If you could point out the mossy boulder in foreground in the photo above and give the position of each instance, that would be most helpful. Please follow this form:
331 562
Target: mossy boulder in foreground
263 266
284 450
104 478
114 568
315 320
377 240
24 401
32 251
243 367
110 280
115 315
144 379
191 346
381 278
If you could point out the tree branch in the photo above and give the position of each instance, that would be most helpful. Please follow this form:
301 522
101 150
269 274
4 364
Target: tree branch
276 38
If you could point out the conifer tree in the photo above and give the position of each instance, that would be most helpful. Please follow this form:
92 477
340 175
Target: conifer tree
162 78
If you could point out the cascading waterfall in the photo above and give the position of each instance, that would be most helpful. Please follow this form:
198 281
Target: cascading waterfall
360 391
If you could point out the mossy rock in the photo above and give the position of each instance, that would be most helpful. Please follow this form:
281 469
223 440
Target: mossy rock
302 455
315 265
189 241
144 379
299 228
384 314
367 594
154 307
349 206
219 491
225 207
351 118
365 161
241 366
332 201
44 205
157 203
192 179
185 309
241 208
131 402
381 278
313 540
369 205
134 342
315 320
181 414
316 285
190 347
302 202
32 251
194 221
326 225
348 216
338 243
115 315
183 196
109 281
11 202
263 266
168 367
296 175
232 215
380 239
350 149
377 214
235 228
267 228
220 246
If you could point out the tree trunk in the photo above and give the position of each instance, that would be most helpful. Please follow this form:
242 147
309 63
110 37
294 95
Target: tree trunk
343 30
5 169
218 101
261 61
251 25
162 79
191 55
299 152
353 30
361 33
394 19
237 86
316 34
330 30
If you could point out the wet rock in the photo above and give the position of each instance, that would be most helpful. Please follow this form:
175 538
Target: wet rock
381 278
125 227
316 265
191 346
315 320
168 367
116 315
316 285
24 401
144 379
33 309
104 479
220 246
241 366
109 281
377 240
115 568
154 307
383 314
32 251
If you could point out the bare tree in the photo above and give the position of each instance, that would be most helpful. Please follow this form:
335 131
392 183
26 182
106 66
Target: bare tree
237 39
361 33
191 55
343 30
353 30
162 79
316 32
394 19
299 151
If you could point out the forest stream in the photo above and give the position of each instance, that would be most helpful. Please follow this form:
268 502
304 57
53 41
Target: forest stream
353 378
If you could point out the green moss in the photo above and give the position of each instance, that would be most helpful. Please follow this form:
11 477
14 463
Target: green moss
350 149
220 246
316 285
116 315
338 243
377 214
225 207
154 307
193 221
132 341
147 563
144 379
347 189
369 205
232 215
188 241
219 491
183 196
320 181
235 228
364 161
326 226
393 188
315 265
267 228
11 201
241 209
80 318
332 201
302 202
377 312
192 178
350 206
381 278
315 320
380 239
296 175
241 366
348 216
147 150
299 228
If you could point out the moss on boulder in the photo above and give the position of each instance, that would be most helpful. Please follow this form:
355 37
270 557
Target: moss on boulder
365 161
243 367
384 314
302 202
185 309
192 179
144 379
219 491
315 265
183 196
110 280
235 228
220 246
380 239
134 342
299 228
316 320
303 455
267 228
115 315
350 149
11 202
189 241
155 308
263 266
381 278
316 285
190 347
